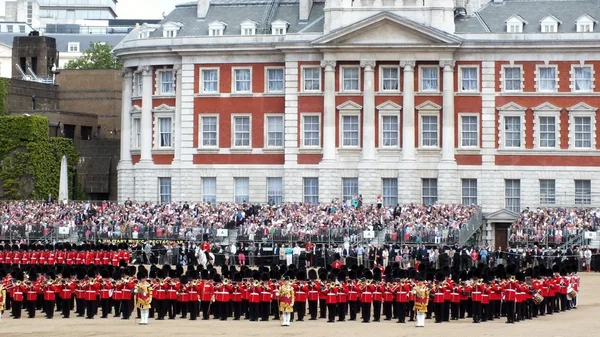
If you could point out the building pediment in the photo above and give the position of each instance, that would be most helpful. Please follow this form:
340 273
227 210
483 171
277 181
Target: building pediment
389 106
387 29
136 109
546 107
349 105
512 106
502 215
582 107
163 108
429 106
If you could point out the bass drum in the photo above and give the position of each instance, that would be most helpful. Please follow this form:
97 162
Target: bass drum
538 298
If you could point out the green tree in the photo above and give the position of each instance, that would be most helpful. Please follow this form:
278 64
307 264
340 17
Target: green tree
98 56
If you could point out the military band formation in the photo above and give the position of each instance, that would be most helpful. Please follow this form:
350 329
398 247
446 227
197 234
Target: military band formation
112 288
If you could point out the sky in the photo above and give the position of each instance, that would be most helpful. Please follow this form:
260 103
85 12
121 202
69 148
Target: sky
146 9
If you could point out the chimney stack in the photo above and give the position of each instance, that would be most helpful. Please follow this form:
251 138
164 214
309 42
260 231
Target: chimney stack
203 6
305 6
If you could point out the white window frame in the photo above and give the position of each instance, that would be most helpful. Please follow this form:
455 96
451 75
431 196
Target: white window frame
233 80
460 130
235 190
573 131
389 113
460 77
584 196
470 188
306 196
585 27
206 197
160 192
216 28
342 71
574 68
170 33
202 86
549 28
503 78
581 110
159 113
429 113
248 28
233 131
319 71
387 198
274 192
546 110
201 131
381 78
430 196
136 138
302 134
437 68
138 83
517 198
266 128
267 90
510 110
279 27
538 78
159 83
349 113
350 180
74 47
547 193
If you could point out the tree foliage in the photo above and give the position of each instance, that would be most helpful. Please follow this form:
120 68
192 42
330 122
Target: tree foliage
98 56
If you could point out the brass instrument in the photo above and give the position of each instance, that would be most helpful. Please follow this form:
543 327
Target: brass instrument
226 281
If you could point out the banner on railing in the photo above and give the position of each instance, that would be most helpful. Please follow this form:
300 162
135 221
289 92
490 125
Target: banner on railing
368 234
590 235
63 230
222 233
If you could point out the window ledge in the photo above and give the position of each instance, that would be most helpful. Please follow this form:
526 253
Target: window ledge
163 151
551 152
349 150
307 150
274 94
468 93
386 150
468 151
240 150
310 93
136 97
208 150
135 152
348 93
164 96
428 93
273 150
246 94
208 94
388 93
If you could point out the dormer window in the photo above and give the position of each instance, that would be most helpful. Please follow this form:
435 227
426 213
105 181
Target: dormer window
515 24
585 24
248 27
550 24
145 30
216 28
279 27
143 35
170 29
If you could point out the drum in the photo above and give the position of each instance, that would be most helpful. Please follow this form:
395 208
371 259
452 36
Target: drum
572 294
538 298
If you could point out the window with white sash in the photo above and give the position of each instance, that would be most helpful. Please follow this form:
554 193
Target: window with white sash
164 190
350 130
242 80
512 195
350 78
469 79
275 80
209 189
349 188
241 190
583 192
242 127
547 78
209 84
469 131
582 78
275 190
311 190
430 190
389 191
136 133
547 191
430 78
390 79
166 82
165 132
469 191
312 79
275 129
311 130
209 135
512 78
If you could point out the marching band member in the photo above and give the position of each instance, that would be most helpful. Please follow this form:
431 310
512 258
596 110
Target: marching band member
286 301
332 293
143 295
421 291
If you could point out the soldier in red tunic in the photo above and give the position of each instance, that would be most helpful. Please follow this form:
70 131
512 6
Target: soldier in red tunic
331 290
313 294
207 294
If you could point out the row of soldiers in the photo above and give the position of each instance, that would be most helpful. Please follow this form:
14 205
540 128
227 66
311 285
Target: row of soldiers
331 294
64 254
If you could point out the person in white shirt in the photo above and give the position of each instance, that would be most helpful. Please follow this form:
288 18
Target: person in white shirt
587 255
385 255
296 255
233 252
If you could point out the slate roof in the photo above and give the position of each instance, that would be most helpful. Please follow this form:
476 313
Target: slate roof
62 40
492 17
234 12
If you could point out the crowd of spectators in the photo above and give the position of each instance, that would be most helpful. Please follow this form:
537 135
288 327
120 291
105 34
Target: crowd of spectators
553 225
333 222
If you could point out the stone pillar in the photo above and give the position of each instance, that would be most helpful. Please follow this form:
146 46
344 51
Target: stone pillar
368 130
329 112
177 141
448 111
408 111
146 119
127 75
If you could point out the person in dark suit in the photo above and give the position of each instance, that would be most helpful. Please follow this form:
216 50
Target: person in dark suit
275 253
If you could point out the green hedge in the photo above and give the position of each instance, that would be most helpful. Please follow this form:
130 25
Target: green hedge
30 160
4 84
